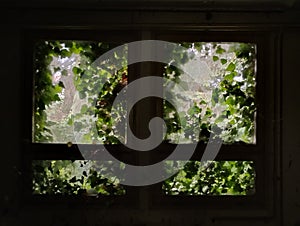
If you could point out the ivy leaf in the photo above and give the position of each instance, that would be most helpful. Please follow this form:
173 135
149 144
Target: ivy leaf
70 121
64 73
56 98
230 67
202 102
229 77
84 109
82 95
65 53
56 69
76 70
87 138
220 50
230 100
215 58
223 61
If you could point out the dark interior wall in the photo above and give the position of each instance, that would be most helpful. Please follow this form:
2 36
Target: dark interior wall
16 18
290 133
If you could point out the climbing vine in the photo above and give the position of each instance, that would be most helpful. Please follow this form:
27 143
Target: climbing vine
230 106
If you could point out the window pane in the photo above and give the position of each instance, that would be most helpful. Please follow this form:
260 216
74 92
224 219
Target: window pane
219 91
72 93
219 178
78 177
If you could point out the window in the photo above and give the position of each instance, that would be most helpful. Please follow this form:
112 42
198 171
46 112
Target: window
224 78
249 151
57 167
237 171
61 110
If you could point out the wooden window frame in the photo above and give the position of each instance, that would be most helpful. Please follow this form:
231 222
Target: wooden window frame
263 153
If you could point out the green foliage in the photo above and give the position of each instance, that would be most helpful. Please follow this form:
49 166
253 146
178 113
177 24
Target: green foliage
215 58
44 90
219 178
233 96
73 178
57 177
231 106
86 80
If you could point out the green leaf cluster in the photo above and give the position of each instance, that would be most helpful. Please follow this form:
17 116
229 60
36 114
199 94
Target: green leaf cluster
73 178
233 89
212 178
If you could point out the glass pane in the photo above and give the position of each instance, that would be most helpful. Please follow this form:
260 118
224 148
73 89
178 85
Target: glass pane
74 93
218 92
218 178
80 177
